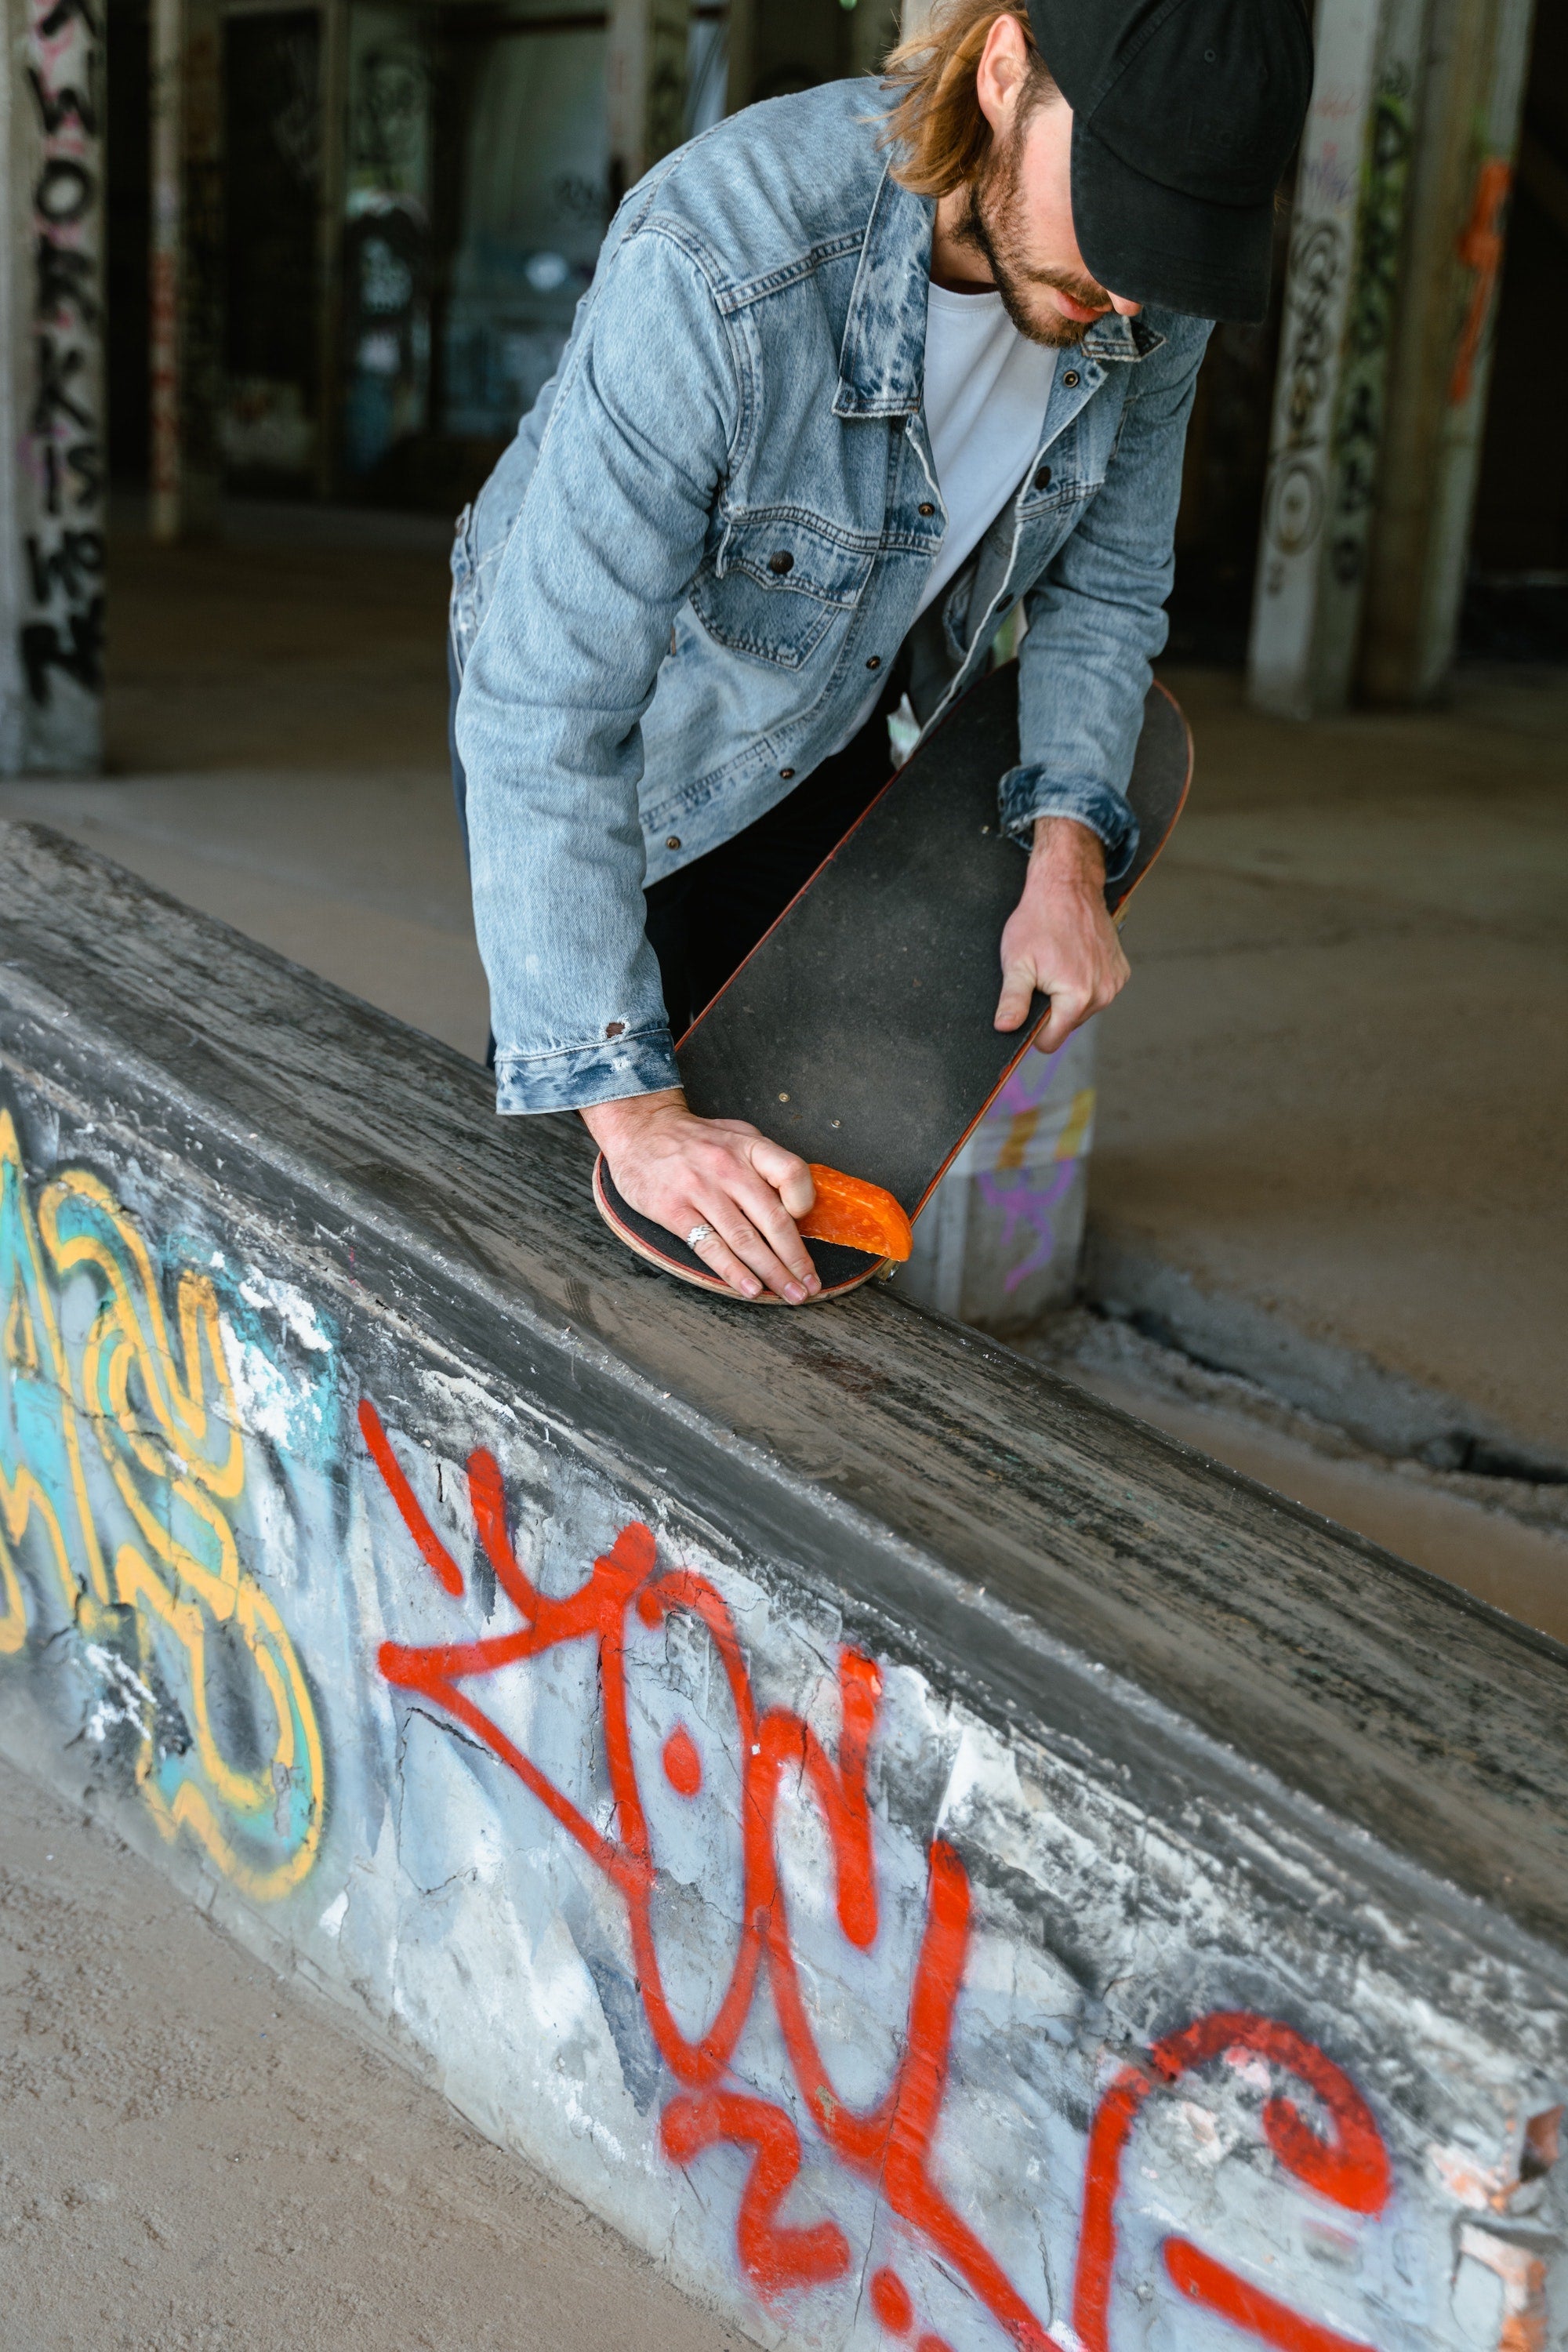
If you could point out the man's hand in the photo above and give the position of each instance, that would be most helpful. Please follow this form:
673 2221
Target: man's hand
1059 938
682 1171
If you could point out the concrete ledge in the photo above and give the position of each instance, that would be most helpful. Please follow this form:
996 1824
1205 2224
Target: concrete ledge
921 1854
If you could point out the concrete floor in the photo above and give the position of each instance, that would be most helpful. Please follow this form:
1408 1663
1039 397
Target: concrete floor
1334 1091
197 2157
1338 1086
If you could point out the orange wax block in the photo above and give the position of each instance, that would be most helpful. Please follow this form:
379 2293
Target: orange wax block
857 1215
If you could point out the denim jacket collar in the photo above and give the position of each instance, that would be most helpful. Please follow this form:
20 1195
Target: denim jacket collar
881 361
1116 338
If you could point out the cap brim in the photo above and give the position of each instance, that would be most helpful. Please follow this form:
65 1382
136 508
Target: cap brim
1153 244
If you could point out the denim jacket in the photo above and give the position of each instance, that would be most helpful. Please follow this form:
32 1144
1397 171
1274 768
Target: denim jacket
715 524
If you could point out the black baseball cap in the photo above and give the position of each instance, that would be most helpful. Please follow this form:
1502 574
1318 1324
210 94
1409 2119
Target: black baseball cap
1185 114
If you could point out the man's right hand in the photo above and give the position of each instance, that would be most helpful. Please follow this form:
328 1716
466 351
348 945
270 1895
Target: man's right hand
685 1172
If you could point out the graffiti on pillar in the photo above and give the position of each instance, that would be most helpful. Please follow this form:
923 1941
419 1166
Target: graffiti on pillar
1358 423
1481 248
788 2239
124 1496
1036 1164
63 447
1295 496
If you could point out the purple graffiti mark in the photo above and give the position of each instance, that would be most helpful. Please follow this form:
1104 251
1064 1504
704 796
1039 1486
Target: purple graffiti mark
1021 1204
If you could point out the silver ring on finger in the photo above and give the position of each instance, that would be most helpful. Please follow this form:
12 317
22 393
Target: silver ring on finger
698 1236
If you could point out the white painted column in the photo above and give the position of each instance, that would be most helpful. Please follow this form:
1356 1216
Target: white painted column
165 290
1340 299
1467 142
999 1241
644 84
52 454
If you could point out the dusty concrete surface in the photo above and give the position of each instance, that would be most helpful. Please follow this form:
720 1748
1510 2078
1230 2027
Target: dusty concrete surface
195 2156
1338 1086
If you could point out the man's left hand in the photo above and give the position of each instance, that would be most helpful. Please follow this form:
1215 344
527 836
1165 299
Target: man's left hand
1059 939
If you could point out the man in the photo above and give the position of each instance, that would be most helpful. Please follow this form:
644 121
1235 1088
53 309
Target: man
857 373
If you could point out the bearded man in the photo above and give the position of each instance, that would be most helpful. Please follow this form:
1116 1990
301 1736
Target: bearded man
860 371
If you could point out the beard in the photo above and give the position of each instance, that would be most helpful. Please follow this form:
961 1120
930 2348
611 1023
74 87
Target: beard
994 225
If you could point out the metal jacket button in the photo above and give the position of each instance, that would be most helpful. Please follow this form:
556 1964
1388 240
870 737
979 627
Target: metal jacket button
926 507
874 662
782 560
1070 379
672 841
1043 478
785 773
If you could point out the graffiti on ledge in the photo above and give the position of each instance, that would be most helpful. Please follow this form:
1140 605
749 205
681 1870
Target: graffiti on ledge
1339 2153
123 1486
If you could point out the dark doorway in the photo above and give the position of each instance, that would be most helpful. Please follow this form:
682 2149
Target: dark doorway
272 145
1517 599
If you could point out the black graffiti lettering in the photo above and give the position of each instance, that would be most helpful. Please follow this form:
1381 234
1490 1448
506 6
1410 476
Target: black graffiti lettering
65 191
65 282
70 565
61 14
51 478
1361 414
84 459
1357 487
80 653
58 370
67 104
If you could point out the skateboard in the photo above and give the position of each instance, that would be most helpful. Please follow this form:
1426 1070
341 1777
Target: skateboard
859 1031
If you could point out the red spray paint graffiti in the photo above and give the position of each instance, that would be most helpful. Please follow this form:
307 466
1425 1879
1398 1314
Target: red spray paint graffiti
892 2143
1351 2170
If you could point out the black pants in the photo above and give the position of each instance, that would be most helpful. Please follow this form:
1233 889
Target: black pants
706 920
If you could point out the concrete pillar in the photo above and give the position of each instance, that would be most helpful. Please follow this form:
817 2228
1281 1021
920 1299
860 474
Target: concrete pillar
999 1243
644 86
1468 138
202 304
1329 402
741 72
874 27
52 450
166 113
185 278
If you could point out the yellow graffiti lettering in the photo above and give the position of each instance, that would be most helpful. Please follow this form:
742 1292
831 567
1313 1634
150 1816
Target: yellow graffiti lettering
154 1390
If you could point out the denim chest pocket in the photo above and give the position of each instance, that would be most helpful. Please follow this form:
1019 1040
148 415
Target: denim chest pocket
777 583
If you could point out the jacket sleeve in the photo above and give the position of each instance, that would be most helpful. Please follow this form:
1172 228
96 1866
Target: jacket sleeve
609 538
1097 618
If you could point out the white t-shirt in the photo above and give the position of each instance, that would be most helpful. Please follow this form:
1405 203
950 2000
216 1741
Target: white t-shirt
986 387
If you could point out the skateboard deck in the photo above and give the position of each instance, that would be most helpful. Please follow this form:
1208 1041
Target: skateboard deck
859 1031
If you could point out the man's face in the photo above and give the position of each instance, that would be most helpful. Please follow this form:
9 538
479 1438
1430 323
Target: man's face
1018 215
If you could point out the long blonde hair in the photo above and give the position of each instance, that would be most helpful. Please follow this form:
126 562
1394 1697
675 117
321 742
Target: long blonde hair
937 121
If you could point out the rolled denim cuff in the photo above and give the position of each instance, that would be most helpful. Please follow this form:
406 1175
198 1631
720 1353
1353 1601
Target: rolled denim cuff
577 1076
1027 792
